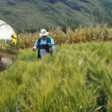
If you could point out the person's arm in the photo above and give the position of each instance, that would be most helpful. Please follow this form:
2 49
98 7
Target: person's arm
53 45
35 45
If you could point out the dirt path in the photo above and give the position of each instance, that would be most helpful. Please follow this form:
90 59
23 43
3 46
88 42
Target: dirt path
7 55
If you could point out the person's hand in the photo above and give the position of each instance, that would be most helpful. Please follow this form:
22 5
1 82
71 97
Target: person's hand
33 49
47 47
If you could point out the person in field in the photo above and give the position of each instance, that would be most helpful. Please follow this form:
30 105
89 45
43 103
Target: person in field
14 39
44 44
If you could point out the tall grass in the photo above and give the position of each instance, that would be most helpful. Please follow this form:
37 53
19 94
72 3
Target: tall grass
81 34
77 78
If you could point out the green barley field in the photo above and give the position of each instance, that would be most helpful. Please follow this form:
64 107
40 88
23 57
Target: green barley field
77 78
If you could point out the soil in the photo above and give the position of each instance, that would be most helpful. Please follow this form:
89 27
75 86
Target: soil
7 55
2 66
5 59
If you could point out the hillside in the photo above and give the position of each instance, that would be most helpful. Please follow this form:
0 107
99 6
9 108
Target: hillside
33 14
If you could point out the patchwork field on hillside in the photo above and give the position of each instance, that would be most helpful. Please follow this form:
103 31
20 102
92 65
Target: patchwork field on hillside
33 14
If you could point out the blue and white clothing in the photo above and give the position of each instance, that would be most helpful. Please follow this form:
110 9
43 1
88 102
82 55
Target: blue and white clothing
43 42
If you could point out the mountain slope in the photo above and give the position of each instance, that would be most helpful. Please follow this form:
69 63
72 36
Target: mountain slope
33 14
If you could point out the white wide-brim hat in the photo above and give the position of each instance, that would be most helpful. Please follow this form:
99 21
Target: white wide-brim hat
43 32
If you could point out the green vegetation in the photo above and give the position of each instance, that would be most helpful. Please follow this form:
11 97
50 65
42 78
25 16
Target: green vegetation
32 14
77 78
7 45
